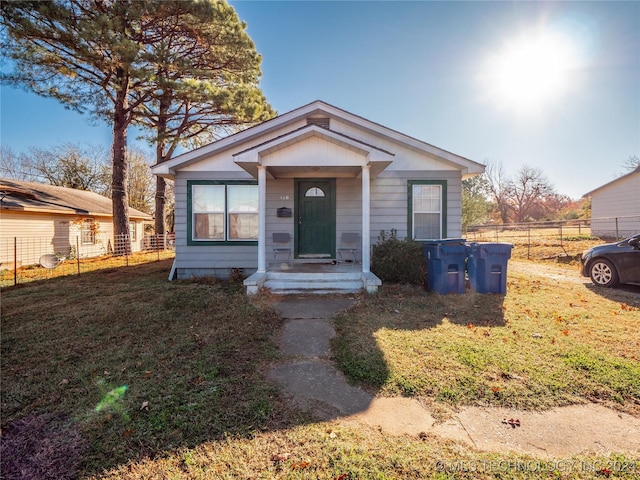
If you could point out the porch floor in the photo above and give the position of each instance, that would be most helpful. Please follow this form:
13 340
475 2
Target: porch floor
318 278
325 267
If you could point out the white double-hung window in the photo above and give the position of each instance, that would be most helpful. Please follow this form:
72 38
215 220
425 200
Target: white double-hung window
207 202
221 212
427 209
88 231
242 207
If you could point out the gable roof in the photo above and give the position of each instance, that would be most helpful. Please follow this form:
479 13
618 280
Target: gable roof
248 159
317 107
38 197
636 171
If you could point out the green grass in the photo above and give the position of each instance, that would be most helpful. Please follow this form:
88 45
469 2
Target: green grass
323 451
194 354
535 348
191 355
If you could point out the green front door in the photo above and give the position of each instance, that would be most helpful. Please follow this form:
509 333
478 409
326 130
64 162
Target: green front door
315 218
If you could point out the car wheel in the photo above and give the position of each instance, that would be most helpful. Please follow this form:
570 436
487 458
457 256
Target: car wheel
603 273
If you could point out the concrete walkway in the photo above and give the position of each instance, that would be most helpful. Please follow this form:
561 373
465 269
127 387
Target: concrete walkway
312 382
309 376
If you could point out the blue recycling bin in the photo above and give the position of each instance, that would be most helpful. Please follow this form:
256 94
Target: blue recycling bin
487 267
445 265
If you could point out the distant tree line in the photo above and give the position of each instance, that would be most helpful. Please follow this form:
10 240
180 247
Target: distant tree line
86 168
527 196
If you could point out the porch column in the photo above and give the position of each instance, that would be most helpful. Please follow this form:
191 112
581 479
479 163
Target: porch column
366 213
262 218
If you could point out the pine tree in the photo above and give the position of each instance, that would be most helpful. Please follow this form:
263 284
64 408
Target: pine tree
184 68
204 83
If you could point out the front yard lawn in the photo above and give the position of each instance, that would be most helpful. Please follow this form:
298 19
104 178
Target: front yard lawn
121 374
546 343
190 356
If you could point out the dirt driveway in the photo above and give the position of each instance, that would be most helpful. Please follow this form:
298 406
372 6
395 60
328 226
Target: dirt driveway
571 273
562 273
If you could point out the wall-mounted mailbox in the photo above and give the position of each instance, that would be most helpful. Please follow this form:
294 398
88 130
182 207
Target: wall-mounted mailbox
284 212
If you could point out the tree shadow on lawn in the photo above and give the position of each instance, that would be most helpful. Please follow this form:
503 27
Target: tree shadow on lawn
403 309
192 357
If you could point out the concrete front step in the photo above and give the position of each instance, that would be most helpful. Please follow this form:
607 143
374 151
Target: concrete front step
313 286
312 283
318 283
311 290
307 276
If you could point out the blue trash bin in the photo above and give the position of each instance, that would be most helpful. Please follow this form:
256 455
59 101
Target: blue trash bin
487 267
445 265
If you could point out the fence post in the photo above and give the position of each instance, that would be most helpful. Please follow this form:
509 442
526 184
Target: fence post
561 236
78 253
126 248
528 242
617 234
157 248
15 261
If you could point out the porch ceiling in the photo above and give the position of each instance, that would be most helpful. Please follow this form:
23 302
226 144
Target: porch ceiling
314 172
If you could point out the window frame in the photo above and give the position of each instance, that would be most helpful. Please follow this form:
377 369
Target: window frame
133 231
191 241
443 207
222 192
88 232
312 192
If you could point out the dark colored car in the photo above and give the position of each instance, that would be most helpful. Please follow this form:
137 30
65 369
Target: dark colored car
613 263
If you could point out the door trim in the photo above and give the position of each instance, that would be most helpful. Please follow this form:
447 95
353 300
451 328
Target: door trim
332 217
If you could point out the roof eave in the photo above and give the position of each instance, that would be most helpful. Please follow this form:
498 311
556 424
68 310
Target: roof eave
168 169
70 212
588 194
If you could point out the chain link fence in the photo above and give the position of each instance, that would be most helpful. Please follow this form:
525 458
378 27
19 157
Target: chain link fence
25 259
554 239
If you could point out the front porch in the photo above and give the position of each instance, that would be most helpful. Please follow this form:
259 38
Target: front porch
313 278
314 204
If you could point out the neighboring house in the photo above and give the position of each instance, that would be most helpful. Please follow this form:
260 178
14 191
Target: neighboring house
314 185
615 207
45 219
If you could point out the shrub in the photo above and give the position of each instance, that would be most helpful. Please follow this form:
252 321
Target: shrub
579 238
398 261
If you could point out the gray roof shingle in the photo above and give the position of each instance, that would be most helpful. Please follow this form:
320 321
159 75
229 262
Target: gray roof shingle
18 195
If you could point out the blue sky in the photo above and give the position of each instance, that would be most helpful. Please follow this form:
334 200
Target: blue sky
440 72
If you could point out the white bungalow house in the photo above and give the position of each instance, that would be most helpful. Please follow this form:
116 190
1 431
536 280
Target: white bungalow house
615 207
296 202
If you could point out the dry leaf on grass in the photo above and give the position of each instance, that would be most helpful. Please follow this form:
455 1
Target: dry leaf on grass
280 457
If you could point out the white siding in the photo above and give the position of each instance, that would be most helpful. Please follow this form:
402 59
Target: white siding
38 234
349 211
318 151
406 159
26 224
389 201
207 260
223 162
389 210
619 199
314 151
280 193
